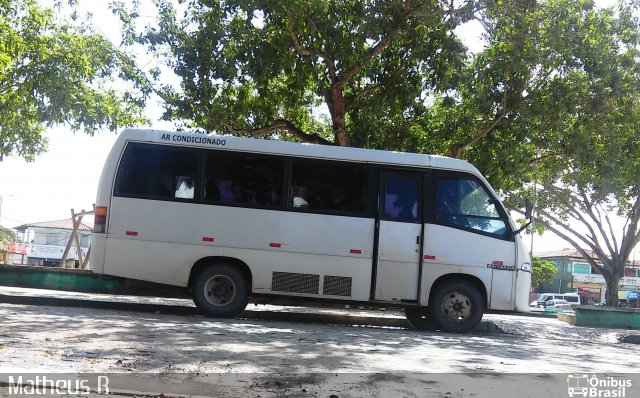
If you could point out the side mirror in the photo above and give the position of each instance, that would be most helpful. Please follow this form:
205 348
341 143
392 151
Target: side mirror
528 212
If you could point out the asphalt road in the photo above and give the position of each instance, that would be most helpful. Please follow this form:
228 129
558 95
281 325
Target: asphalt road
152 346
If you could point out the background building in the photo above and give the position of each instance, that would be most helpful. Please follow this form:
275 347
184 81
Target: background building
576 275
47 241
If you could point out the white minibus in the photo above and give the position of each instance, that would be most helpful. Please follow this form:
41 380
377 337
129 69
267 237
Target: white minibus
572 298
237 219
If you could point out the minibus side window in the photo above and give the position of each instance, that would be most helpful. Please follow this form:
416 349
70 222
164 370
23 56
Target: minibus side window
157 172
329 187
243 179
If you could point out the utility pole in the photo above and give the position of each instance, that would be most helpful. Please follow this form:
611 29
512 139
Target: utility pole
1 200
533 216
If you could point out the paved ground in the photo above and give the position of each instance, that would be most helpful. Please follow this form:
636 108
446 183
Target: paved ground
165 346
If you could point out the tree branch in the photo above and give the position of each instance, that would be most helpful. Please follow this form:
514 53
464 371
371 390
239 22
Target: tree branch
578 216
631 235
613 236
483 22
307 52
539 159
279 125
456 151
592 245
597 219
575 244
364 93
376 49
127 61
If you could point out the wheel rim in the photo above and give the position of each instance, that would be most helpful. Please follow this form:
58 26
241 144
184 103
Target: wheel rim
219 290
456 306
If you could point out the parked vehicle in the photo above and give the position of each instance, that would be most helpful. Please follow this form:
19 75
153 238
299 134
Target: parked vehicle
558 305
232 219
572 298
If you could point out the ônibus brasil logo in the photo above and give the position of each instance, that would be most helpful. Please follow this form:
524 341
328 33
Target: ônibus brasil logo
582 385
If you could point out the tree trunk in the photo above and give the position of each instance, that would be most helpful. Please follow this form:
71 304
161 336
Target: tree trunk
613 281
337 109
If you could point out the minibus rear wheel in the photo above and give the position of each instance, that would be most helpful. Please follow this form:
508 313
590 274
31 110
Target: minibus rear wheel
456 306
220 290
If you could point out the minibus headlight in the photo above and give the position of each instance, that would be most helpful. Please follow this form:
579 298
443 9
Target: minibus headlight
526 267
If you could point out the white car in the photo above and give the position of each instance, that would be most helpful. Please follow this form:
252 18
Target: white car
557 305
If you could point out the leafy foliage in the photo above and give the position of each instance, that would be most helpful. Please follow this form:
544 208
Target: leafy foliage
57 73
264 67
542 272
553 99
6 235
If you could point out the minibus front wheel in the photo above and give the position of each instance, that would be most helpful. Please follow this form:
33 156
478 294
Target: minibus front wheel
456 306
220 290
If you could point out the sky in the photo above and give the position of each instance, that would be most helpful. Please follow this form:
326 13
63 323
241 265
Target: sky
66 177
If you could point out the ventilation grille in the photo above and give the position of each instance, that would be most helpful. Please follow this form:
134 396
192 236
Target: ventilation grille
295 283
336 286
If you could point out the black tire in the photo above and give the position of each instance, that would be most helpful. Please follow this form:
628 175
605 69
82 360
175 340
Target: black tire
220 291
418 318
456 306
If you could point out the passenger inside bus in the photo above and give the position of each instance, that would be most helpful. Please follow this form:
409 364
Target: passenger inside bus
401 199
184 187
299 197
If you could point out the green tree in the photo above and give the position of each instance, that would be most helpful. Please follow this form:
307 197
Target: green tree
542 272
587 115
554 100
54 72
6 235
263 68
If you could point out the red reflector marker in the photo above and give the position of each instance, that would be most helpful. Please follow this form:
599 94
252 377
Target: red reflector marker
355 251
429 257
207 239
132 233
273 244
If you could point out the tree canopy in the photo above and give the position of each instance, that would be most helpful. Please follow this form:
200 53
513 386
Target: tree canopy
6 235
264 68
54 72
553 102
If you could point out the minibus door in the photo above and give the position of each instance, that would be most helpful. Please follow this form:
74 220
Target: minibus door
399 236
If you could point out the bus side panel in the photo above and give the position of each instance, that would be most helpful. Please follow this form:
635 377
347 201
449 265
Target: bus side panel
523 278
162 241
103 199
431 271
456 250
268 262
154 261
98 248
